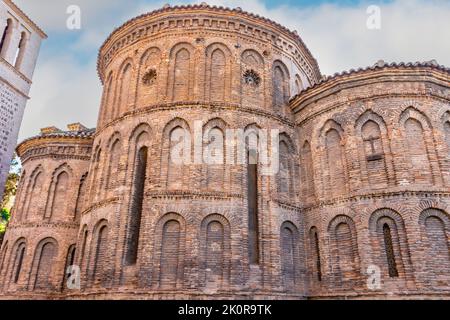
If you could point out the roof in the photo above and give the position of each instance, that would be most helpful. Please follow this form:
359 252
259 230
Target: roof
55 133
26 18
167 8
380 65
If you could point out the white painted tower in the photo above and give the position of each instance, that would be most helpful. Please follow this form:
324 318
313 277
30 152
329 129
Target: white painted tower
20 41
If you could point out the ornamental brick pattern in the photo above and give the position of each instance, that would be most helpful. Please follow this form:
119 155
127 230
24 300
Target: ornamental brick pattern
363 184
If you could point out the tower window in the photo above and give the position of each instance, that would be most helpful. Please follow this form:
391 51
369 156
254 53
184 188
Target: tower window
390 255
5 35
136 207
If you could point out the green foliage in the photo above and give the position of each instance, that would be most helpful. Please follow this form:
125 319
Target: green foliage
10 188
5 215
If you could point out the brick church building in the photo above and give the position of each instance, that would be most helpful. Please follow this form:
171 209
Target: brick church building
357 207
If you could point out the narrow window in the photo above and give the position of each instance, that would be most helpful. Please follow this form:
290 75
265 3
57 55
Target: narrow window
83 248
317 251
81 196
20 50
45 264
215 259
181 75
392 265
136 207
100 253
70 260
19 263
170 254
6 32
252 195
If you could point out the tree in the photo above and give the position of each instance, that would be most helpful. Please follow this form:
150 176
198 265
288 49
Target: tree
9 192
10 189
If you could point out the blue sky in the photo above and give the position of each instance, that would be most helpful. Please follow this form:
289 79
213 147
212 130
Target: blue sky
66 87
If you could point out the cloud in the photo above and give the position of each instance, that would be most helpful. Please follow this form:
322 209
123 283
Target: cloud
66 88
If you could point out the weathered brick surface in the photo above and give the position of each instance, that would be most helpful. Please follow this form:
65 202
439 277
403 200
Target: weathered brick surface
364 174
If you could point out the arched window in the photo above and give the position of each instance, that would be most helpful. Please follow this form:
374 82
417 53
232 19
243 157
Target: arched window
285 170
346 250
214 253
308 171
6 37
59 203
218 75
82 252
179 157
45 260
335 157
20 50
107 100
214 157
252 78
81 197
149 87
33 206
289 260
100 262
417 151
124 90
70 261
18 262
252 144
181 75
435 223
279 87
374 153
137 198
170 254
447 136
96 182
3 255
315 249
389 250
113 166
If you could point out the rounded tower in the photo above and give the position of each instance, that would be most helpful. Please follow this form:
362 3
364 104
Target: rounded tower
375 156
180 205
43 230
225 166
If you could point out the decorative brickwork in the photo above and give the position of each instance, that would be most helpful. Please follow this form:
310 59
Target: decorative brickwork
363 181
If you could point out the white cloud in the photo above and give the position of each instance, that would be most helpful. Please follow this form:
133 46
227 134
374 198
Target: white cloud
66 91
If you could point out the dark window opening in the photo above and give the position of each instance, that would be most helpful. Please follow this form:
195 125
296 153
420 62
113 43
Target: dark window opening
392 265
19 265
137 199
252 195
318 263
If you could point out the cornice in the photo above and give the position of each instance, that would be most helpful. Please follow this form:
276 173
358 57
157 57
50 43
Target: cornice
46 225
18 11
192 195
41 140
170 106
125 34
355 78
17 72
380 195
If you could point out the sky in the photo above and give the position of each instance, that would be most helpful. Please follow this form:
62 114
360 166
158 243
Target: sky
66 88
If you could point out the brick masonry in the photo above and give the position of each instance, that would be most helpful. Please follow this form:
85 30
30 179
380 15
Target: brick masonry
363 185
